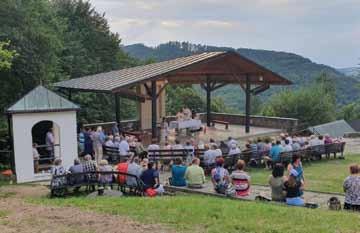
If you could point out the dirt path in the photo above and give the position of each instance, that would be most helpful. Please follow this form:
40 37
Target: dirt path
18 216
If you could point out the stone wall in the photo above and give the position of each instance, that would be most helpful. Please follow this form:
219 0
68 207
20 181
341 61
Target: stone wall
287 124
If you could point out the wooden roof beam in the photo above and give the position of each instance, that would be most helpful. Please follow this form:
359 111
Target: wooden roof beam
127 93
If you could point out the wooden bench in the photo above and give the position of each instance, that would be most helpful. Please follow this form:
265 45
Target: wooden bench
173 153
73 181
230 161
314 152
213 122
112 154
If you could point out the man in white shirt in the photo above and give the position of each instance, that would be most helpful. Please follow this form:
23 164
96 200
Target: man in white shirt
177 145
287 137
316 141
124 147
189 147
231 141
153 146
234 150
287 147
109 141
210 155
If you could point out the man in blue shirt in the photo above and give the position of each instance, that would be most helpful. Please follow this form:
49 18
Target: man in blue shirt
275 152
274 156
178 173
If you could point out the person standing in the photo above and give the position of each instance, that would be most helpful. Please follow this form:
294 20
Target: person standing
88 144
124 147
50 142
164 130
97 144
115 129
81 138
36 158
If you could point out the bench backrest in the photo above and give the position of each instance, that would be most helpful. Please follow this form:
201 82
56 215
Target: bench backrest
92 178
318 149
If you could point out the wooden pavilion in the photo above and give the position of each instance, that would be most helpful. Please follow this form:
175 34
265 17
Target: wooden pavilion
146 84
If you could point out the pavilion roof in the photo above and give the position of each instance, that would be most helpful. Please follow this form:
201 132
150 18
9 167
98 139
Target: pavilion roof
41 99
222 67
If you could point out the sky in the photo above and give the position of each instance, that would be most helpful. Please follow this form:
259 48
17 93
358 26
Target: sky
326 31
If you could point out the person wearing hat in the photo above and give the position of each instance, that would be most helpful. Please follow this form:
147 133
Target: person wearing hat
220 176
293 189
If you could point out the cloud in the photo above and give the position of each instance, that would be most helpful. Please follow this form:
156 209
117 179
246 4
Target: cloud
214 23
325 31
172 23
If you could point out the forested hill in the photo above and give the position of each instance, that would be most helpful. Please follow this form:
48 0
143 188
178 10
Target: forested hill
298 69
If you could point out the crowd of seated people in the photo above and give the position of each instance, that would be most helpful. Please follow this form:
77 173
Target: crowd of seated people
142 169
287 188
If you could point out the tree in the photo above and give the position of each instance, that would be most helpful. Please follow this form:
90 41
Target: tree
350 112
90 47
310 105
6 56
326 84
185 95
58 40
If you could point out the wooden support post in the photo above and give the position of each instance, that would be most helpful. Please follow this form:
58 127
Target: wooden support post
247 104
208 102
153 109
70 95
117 109
11 143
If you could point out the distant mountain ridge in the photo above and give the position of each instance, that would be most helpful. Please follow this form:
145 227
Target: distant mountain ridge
296 68
351 71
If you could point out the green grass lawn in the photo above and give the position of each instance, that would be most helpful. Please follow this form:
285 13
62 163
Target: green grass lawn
210 214
324 175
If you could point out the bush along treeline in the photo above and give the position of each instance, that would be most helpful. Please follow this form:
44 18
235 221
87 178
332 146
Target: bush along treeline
312 105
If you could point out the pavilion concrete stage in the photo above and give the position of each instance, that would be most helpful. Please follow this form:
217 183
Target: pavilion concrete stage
219 133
